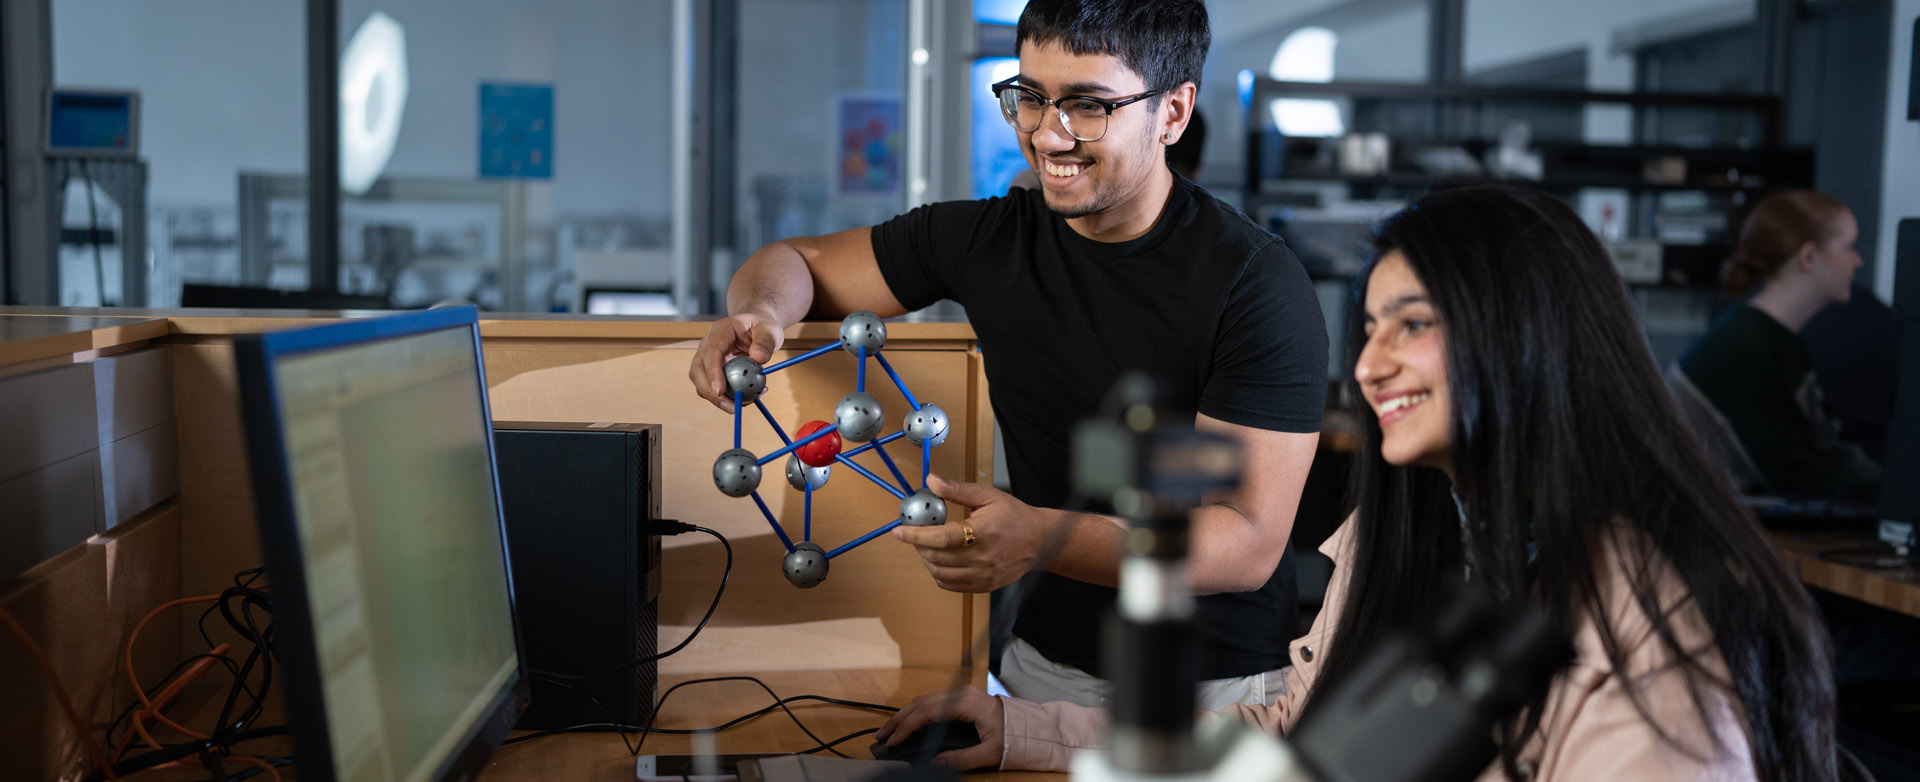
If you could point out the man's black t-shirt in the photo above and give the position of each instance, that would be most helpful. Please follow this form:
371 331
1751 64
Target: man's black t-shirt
1217 310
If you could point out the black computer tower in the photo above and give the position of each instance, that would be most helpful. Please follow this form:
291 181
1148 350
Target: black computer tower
586 574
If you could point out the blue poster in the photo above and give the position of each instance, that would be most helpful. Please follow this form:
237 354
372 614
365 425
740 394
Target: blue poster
516 131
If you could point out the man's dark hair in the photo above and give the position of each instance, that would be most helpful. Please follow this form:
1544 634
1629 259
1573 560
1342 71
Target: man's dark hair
1165 41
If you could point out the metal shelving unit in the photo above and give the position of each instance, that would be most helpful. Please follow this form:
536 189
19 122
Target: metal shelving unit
1467 118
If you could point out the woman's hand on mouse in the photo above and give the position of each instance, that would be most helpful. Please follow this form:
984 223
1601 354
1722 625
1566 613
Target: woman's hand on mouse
968 704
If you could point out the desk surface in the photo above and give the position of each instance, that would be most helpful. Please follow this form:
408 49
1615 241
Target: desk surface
203 321
1895 589
32 339
602 756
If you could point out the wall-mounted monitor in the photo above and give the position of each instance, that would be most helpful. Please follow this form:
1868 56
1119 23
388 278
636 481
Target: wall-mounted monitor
610 301
93 123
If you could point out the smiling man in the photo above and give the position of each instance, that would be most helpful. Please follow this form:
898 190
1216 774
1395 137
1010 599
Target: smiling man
1114 263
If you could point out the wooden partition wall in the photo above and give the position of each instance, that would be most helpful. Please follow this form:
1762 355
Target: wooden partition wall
878 607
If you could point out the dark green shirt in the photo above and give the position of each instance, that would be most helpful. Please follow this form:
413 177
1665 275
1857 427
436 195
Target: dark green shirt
1759 375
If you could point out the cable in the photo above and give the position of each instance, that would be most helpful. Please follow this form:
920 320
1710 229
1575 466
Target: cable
258 764
598 705
190 749
134 678
253 772
212 750
661 528
93 236
112 727
763 711
735 722
647 728
837 742
263 646
167 690
60 692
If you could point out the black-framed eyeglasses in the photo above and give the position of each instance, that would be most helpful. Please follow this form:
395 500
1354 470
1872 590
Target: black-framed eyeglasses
1084 116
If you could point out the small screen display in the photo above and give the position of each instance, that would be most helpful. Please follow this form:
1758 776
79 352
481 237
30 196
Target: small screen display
90 122
604 302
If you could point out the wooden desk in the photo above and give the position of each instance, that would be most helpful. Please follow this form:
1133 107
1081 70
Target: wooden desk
878 609
602 756
1895 589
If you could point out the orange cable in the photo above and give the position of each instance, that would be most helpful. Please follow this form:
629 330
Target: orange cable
60 691
140 727
141 692
166 694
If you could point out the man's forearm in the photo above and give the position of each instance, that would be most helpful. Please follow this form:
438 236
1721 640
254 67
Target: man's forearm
1226 551
775 282
1085 547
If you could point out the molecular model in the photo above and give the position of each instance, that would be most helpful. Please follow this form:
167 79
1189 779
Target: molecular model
810 458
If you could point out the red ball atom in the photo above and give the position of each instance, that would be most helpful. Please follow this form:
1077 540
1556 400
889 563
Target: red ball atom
818 453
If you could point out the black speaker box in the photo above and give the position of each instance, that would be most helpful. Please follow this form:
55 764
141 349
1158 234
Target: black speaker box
586 571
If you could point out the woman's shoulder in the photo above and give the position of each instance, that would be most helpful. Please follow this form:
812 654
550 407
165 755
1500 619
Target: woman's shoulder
1597 724
1743 336
1629 569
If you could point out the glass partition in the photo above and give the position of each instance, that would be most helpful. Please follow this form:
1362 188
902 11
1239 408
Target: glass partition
221 88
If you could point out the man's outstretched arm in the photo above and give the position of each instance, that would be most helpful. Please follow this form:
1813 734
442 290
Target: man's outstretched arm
781 283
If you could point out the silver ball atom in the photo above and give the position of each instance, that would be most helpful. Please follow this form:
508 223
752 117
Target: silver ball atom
863 329
922 509
858 417
927 424
736 473
799 474
806 565
745 377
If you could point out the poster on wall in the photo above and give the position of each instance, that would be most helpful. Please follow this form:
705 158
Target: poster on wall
516 131
868 147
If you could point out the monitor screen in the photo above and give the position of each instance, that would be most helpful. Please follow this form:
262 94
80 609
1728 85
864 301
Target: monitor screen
371 452
613 302
1900 497
95 123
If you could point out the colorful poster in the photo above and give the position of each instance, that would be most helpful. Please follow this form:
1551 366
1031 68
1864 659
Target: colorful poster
869 145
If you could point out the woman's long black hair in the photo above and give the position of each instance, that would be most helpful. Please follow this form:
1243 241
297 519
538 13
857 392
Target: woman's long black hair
1562 433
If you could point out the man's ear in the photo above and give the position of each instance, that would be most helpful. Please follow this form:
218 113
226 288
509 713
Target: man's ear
1176 109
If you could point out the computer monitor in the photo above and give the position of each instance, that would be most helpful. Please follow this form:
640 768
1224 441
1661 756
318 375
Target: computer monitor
370 447
609 301
1899 493
93 123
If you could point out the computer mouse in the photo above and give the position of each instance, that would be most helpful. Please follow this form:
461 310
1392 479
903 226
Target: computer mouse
958 734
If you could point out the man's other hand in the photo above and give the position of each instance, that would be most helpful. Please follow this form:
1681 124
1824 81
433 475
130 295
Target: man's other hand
1008 537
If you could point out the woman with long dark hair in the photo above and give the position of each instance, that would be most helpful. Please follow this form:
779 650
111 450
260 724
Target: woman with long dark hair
1523 439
